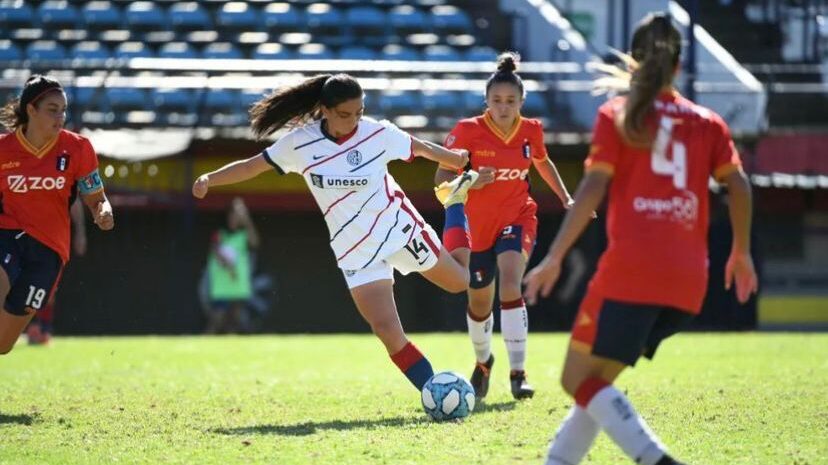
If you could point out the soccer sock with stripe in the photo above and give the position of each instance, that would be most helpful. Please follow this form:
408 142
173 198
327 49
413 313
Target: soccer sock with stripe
613 411
514 326
573 439
480 332
456 229
413 364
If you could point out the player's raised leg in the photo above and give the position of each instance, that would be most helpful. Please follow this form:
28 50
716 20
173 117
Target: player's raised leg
375 302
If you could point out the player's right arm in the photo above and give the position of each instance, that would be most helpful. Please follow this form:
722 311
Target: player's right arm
739 266
231 173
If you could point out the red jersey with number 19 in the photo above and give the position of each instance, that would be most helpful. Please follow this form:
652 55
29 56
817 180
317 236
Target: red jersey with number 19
37 184
506 200
657 217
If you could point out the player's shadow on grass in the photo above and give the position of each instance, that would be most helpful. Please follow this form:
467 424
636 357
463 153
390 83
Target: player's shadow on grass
312 427
17 419
484 407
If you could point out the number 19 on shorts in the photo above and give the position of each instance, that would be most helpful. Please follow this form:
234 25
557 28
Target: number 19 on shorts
35 297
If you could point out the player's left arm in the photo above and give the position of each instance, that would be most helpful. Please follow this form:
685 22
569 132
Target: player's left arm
450 159
101 209
547 170
591 192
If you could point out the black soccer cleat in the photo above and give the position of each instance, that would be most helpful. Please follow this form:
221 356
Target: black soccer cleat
480 377
520 387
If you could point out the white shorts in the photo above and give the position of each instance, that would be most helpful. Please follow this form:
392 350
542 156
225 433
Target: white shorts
420 254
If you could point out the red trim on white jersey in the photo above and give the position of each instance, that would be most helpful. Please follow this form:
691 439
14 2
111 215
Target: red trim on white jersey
430 243
337 201
343 151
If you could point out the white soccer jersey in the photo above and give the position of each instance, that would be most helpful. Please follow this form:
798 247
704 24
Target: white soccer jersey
368 215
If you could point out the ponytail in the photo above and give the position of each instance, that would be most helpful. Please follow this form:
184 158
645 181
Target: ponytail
290 106
506 67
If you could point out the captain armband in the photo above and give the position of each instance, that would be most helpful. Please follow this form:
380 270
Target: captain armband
90 183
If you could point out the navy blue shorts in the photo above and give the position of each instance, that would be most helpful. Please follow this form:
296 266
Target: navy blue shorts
483 265
32 268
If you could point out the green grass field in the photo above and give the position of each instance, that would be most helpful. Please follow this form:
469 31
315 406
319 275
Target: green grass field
748 399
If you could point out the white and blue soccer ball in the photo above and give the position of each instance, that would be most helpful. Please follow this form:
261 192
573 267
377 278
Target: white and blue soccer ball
448 396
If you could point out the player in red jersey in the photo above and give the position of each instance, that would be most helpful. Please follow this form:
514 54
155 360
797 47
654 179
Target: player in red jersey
655 152
41 164
502 218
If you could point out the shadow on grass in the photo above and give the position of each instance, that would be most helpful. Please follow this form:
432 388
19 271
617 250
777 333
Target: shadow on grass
312 427
17 419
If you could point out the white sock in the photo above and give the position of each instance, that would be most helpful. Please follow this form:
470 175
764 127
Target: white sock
573 439
514 325
480 333
618 418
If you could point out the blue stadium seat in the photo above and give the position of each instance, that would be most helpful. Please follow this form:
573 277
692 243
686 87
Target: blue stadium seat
394 103
15 14
272 51
237 16
249 97
9 52
474 102
128 50
84 98
324 22
314 52
441 53
283 17
145 16
99 15
222 50
481 53
177 50
406 19
174 100
58 14
357 53
366 20
189 16
450 20
90 50
535 105
401 53
441 103
127 99
40 50
222 100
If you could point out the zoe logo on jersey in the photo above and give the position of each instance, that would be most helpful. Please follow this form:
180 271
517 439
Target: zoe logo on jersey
506 174
23 184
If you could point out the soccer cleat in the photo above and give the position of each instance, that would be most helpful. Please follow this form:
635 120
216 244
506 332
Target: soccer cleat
456 190
520 387
480 377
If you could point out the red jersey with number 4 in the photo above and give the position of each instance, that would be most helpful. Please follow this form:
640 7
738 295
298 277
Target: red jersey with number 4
36 185
507 199
657 216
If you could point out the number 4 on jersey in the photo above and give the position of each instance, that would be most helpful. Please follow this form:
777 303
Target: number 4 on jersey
660 164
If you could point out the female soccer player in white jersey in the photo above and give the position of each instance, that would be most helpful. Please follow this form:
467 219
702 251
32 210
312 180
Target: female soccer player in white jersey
374 228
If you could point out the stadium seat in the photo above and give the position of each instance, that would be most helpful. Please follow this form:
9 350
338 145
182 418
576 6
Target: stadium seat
474 102
113 37
441 103
145 16
189 16
128 50
357 53
174 100
9 52
325 23
441 53
401 53
222 107
395 103
535 105
100 15
272 51
366 21
177 50
237 16
15 14
83 98
40 50
314 52
222 50
480 53
450 20
90 50
406 19
58 14
251 96
283 17
127 99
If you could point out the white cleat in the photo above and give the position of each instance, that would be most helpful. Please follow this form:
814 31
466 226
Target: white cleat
456 190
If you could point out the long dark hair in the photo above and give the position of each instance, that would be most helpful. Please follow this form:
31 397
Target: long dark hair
296 104
13 115
506 67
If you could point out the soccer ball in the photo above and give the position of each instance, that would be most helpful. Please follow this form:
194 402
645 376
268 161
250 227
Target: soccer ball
448 396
